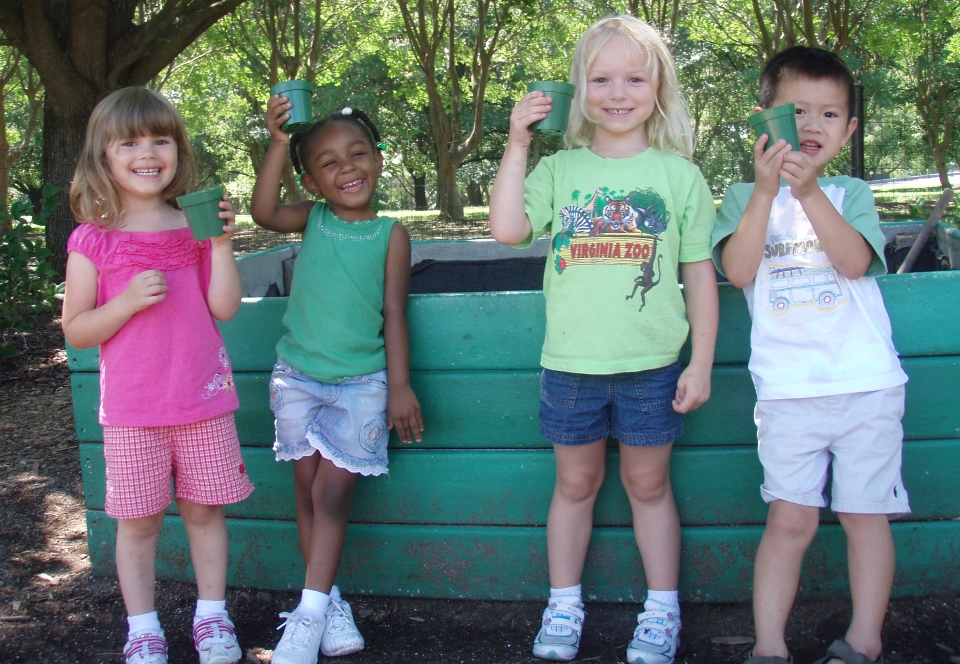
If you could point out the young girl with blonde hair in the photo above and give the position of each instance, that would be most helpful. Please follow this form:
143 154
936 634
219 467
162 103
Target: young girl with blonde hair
140 287
624 209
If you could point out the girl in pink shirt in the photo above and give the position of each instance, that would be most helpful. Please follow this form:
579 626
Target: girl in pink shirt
140 287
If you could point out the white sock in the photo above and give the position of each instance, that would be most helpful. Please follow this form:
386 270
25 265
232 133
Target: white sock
313 603
335 594
666 599
208 608
145 622
571 595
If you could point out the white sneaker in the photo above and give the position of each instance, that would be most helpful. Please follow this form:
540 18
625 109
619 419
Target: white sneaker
216 641
340 636
300 642
559 636
147 647
656 638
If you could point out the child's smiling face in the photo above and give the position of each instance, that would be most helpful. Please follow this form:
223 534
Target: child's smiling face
343 167
824 122
620 95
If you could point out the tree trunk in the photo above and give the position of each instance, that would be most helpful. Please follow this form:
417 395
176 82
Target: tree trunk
419 191
63 134
941 164
292 193
449 200
474 194
5 226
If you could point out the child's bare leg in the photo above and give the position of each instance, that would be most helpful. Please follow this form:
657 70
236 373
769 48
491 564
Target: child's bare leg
645 473
207 533
332 496
580 471
871 559
776 573
304 473
137 561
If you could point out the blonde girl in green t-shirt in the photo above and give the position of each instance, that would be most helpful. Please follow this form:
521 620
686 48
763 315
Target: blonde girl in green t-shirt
623 210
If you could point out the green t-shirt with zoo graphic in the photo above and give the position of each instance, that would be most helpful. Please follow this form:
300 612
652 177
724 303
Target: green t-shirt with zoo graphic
618 228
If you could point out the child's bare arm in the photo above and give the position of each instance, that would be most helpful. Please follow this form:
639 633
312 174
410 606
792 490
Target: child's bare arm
403 409
703 312
743 250
86 325
846 248
265 203
224 291
508 220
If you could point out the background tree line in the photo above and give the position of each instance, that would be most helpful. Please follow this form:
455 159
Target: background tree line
440 77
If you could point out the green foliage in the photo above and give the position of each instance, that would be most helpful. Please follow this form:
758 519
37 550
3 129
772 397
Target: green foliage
28 283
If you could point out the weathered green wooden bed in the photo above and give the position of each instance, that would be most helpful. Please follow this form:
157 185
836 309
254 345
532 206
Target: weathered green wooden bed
463 514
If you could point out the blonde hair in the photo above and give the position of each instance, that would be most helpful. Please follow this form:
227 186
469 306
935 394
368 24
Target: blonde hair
669 128
126 113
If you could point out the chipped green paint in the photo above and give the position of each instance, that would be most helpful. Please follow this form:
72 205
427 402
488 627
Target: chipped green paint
712 485
495 562
498 409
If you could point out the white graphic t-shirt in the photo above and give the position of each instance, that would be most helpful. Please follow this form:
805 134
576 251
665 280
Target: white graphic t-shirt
815 332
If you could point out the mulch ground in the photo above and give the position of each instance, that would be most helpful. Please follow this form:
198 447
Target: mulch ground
52 609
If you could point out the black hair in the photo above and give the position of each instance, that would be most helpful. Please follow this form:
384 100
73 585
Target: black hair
355 116
807 61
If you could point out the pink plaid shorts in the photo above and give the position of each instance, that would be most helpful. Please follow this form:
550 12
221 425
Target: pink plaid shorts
203 458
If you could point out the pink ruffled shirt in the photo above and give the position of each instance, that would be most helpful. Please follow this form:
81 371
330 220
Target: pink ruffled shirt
168 365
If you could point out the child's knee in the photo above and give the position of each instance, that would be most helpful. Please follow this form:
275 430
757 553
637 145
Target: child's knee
195 514
644 486
788 520
579 484
863 525
140 528
334 496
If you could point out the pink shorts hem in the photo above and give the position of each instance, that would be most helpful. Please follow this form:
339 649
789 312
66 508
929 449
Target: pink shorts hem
202 458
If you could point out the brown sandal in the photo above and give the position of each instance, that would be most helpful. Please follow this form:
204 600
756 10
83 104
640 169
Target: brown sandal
841 650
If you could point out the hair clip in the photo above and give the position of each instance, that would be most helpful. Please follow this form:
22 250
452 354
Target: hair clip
346 111
299 178
381 146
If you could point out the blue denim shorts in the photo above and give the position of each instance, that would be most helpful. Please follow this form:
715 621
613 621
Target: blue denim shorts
576 409
345 422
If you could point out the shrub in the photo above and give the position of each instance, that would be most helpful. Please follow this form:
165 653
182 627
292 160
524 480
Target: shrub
29 285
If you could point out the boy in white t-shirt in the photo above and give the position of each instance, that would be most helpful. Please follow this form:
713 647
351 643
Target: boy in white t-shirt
805 249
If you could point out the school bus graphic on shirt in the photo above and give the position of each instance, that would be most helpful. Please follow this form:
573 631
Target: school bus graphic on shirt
614 228
797 285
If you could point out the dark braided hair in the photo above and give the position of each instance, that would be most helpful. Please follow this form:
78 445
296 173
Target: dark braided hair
355 116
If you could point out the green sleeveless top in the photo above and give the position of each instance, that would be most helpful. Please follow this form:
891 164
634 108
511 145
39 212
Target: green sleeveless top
334 318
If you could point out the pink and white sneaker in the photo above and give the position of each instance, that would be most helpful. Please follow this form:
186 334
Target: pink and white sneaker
147 647
216 641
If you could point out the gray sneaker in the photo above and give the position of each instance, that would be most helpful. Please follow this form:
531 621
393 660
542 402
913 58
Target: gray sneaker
559 636
656 638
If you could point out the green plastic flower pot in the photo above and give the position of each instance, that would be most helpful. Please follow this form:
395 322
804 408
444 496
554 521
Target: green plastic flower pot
555 123
300 94
202 209
777 122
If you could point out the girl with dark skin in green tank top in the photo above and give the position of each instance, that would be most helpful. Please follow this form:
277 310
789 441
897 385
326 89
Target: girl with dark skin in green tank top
341 162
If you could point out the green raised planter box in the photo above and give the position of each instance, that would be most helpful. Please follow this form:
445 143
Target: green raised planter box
463 513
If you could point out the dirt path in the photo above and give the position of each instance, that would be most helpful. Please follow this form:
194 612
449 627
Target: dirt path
53 610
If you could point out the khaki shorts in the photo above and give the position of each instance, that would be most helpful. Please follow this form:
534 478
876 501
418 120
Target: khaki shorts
857 437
